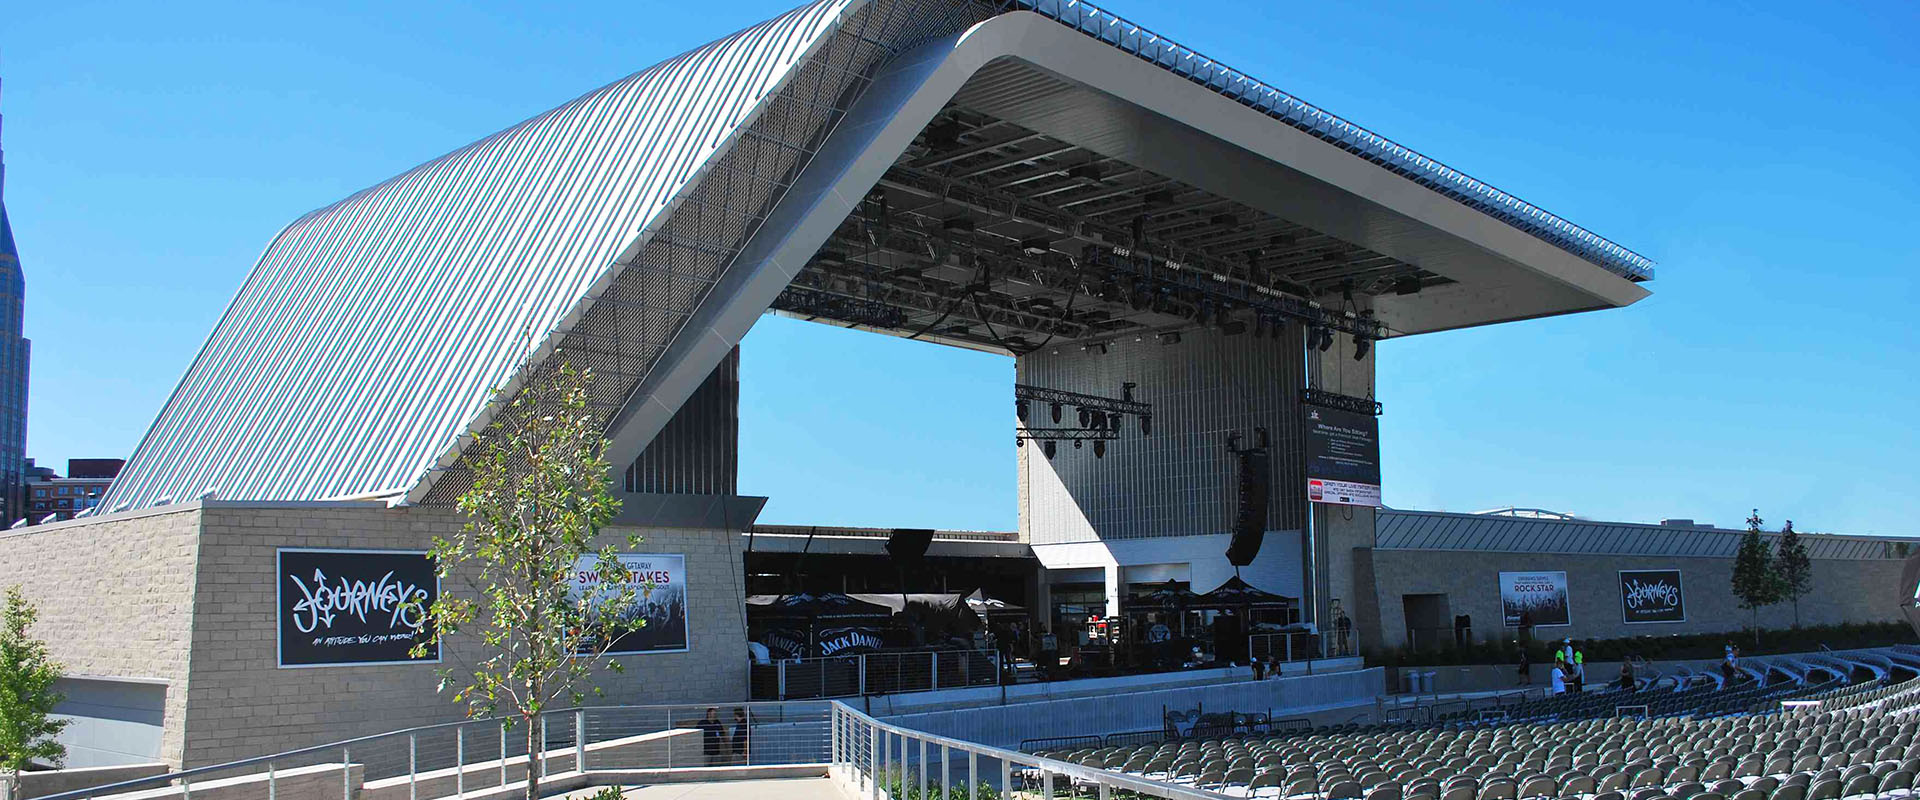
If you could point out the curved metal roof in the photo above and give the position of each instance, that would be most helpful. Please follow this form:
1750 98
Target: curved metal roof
1434 530
367 342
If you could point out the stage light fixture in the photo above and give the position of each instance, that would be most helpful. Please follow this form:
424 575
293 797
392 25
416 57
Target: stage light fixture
1203 312
1170 337
1408 284
1020 409
1085 417
1326 339
1049 447
1076 444
1146 425
1099 448
1056 412
1360 347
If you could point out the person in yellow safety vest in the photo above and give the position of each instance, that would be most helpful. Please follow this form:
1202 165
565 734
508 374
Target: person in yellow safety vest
1579 670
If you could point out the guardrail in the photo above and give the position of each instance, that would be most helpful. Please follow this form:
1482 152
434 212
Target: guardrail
456 758
876 760
1291 646
873 673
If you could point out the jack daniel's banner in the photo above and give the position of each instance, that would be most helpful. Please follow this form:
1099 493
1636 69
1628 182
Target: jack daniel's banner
353 606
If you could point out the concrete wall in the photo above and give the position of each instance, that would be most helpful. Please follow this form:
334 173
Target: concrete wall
114 596
1179 480
1843 591
185 598
235 677
1006 726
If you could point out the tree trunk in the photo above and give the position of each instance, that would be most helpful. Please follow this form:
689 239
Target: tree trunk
1796 612
534 746
1756 632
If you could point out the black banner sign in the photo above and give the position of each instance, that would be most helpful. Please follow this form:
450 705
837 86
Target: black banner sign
1652 595
353 606
1343 457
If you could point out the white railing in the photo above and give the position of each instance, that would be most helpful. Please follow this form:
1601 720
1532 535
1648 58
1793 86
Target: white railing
459 758
876 760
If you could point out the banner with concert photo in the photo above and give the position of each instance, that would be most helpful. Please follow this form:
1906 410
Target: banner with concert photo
353 607
1538 599
1652 595
659 583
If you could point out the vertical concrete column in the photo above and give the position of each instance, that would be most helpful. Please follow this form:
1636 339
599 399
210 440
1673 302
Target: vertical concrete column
1112 573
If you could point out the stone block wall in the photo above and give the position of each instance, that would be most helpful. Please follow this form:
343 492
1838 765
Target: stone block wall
114 597
1844 591
242 704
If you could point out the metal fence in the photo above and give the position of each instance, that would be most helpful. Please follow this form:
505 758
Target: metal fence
455 758
1303 646
875 760
874 673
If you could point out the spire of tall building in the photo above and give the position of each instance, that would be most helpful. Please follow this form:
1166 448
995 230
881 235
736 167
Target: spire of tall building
15 353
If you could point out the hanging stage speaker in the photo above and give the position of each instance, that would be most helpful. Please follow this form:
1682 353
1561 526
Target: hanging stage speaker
909 545
1250 508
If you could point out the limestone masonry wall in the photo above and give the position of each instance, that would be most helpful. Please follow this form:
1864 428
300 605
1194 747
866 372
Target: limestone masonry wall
242 704
1843 591
114 597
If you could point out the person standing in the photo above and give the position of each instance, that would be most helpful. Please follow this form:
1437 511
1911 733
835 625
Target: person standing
713 737
738 742
1526 665
1557 684
1259 669
1579 670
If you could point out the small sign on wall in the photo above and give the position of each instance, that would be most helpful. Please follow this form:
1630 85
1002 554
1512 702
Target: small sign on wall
1652 595
353 607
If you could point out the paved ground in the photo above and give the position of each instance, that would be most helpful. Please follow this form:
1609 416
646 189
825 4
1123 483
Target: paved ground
771 789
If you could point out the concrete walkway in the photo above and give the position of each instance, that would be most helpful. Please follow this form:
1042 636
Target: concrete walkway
783 788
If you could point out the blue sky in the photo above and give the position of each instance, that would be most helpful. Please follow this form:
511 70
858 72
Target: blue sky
1765 156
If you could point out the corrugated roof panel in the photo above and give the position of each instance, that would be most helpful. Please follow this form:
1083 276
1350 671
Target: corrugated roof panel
1536 535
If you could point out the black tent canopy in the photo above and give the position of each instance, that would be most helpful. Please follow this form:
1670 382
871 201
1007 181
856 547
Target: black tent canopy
1237 593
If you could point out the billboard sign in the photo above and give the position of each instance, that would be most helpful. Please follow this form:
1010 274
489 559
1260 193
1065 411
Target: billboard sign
1343 457
353 607
1538 599
660 600
1652 595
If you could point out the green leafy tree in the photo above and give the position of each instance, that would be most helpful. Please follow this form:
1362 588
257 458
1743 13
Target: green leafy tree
27 698
538 502
1755 583
1795 568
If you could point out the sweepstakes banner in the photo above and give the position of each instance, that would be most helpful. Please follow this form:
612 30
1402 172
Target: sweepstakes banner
660 600
1535 598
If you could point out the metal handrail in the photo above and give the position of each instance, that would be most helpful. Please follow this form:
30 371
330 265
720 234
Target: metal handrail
846 763
346 746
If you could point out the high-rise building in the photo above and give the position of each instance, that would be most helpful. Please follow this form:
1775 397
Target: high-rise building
50 497
15 351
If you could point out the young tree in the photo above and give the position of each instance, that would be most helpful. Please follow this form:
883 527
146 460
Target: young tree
538 501
1755 583
27 698
1794 567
